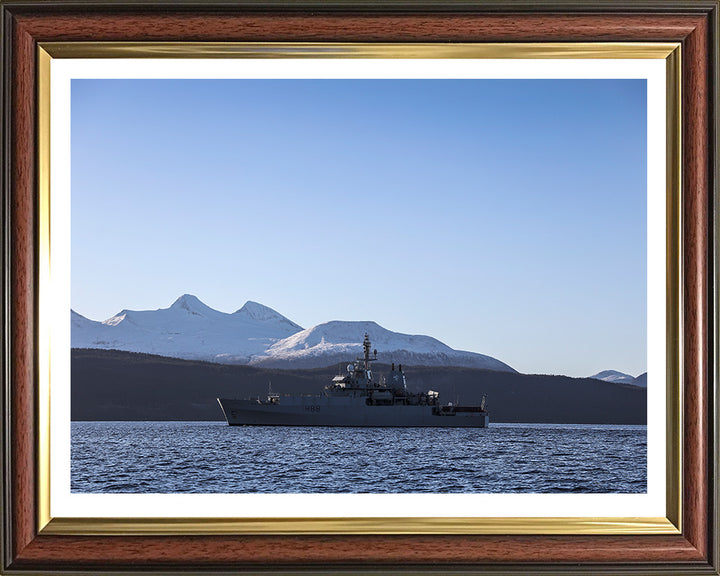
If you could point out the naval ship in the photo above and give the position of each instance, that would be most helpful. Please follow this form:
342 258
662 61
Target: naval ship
356 399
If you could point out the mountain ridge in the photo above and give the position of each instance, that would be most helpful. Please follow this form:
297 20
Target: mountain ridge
139 386
256 334
621 377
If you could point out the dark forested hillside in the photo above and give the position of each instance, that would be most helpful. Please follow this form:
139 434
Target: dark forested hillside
113 385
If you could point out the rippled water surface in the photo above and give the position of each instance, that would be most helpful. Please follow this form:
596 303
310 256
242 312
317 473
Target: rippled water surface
161 457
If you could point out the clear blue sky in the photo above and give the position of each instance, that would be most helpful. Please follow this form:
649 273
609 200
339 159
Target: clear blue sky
506 217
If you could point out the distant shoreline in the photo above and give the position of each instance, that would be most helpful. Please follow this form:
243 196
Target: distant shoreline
110 385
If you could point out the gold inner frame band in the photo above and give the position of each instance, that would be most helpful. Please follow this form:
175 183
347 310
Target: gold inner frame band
354 525
530 50
433 525
673 304
43 395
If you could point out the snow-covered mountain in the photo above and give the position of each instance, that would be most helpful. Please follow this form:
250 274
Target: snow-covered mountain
621 377
259 335
336 342
188 329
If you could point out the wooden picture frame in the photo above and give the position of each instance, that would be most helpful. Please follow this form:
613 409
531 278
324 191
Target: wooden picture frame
30 548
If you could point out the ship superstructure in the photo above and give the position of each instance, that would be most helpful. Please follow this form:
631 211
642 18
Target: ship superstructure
356 399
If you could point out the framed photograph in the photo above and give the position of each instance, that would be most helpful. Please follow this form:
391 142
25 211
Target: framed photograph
474 251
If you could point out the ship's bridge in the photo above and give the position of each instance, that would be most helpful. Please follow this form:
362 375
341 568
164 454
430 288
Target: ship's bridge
339 381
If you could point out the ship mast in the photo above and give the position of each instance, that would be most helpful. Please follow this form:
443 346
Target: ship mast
366 349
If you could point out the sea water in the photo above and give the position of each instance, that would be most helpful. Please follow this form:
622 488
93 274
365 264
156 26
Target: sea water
212 457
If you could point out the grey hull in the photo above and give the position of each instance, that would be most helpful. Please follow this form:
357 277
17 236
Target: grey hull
323 411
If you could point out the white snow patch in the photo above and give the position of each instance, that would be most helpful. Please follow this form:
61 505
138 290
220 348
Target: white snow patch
614 376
